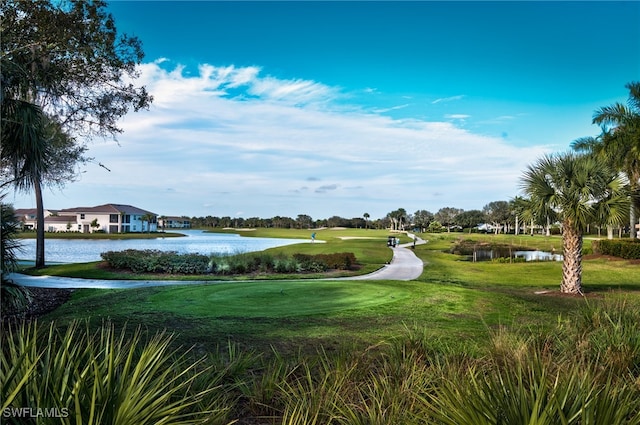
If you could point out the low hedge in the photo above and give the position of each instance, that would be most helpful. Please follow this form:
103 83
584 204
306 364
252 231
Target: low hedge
155 261
170 262
623 248
323 262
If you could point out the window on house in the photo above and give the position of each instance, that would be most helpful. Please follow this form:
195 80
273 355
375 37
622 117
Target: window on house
81 216
126 218
113 218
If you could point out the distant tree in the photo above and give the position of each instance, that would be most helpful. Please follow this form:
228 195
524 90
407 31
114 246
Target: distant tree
163 219
580 189
619 144
94 224
447 216
397 218
435 227
366 219
64 71
422 218
337 221
498 213
470 219
149 219
304 221
517 206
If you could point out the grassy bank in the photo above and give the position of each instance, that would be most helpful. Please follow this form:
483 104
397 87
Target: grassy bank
466 343
454 299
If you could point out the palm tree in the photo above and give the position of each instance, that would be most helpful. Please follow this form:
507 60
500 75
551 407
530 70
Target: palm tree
366 220
619 144
148 218
580 190
24 152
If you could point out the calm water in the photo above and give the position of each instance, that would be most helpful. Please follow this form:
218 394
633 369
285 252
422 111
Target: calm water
196 241
490 254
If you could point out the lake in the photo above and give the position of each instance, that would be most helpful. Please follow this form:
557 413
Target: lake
195 241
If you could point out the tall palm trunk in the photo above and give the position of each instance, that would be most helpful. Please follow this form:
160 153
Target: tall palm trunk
572 263
39 223
633 221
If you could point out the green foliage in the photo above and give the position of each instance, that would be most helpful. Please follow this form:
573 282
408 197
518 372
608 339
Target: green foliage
558 377
623 248
155 261
169 262
12 297
323 262
101 377
435 227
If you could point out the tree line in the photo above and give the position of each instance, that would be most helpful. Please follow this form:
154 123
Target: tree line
495 217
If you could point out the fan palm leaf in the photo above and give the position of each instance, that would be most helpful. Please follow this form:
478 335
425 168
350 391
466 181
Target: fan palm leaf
576 190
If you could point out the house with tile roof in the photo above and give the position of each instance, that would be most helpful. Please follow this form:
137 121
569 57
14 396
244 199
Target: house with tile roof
108 218
52 221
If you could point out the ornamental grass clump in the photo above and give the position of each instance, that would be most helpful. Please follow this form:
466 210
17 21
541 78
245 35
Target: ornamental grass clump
102 377
585 371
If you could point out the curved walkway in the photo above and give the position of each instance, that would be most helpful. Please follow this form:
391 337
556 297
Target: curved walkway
403 266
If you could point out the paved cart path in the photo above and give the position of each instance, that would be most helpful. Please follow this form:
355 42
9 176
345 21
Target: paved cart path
403 266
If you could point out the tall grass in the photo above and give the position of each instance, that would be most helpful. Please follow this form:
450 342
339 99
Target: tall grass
585 370
101 377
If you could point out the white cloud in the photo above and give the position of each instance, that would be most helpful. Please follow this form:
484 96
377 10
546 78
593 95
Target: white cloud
448 99
457 116
392 108
229 139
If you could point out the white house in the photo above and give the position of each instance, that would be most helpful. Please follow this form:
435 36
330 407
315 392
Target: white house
109 218
52 222
174 223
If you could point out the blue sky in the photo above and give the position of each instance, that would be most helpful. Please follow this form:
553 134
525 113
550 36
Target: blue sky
345 108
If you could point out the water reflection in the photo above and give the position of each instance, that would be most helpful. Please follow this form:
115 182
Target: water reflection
539 256
491 254
196 241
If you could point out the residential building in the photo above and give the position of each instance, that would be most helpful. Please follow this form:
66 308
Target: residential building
174 223
108 218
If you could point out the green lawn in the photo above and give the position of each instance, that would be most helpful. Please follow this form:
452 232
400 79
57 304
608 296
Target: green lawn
457 301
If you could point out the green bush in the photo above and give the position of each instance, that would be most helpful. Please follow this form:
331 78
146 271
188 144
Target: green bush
154 261
623 248
323 262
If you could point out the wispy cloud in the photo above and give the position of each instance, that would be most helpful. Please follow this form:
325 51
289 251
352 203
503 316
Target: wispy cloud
457 116
229 139
392 108
448 99
326 188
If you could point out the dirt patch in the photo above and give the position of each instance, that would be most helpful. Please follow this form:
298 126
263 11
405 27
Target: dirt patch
43 301
557 293
601 257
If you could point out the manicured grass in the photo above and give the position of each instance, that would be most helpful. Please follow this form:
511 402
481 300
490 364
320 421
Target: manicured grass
453 299
465 343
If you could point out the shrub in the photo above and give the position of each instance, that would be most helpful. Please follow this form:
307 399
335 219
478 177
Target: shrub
100 378
323 262
623 248
154 261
